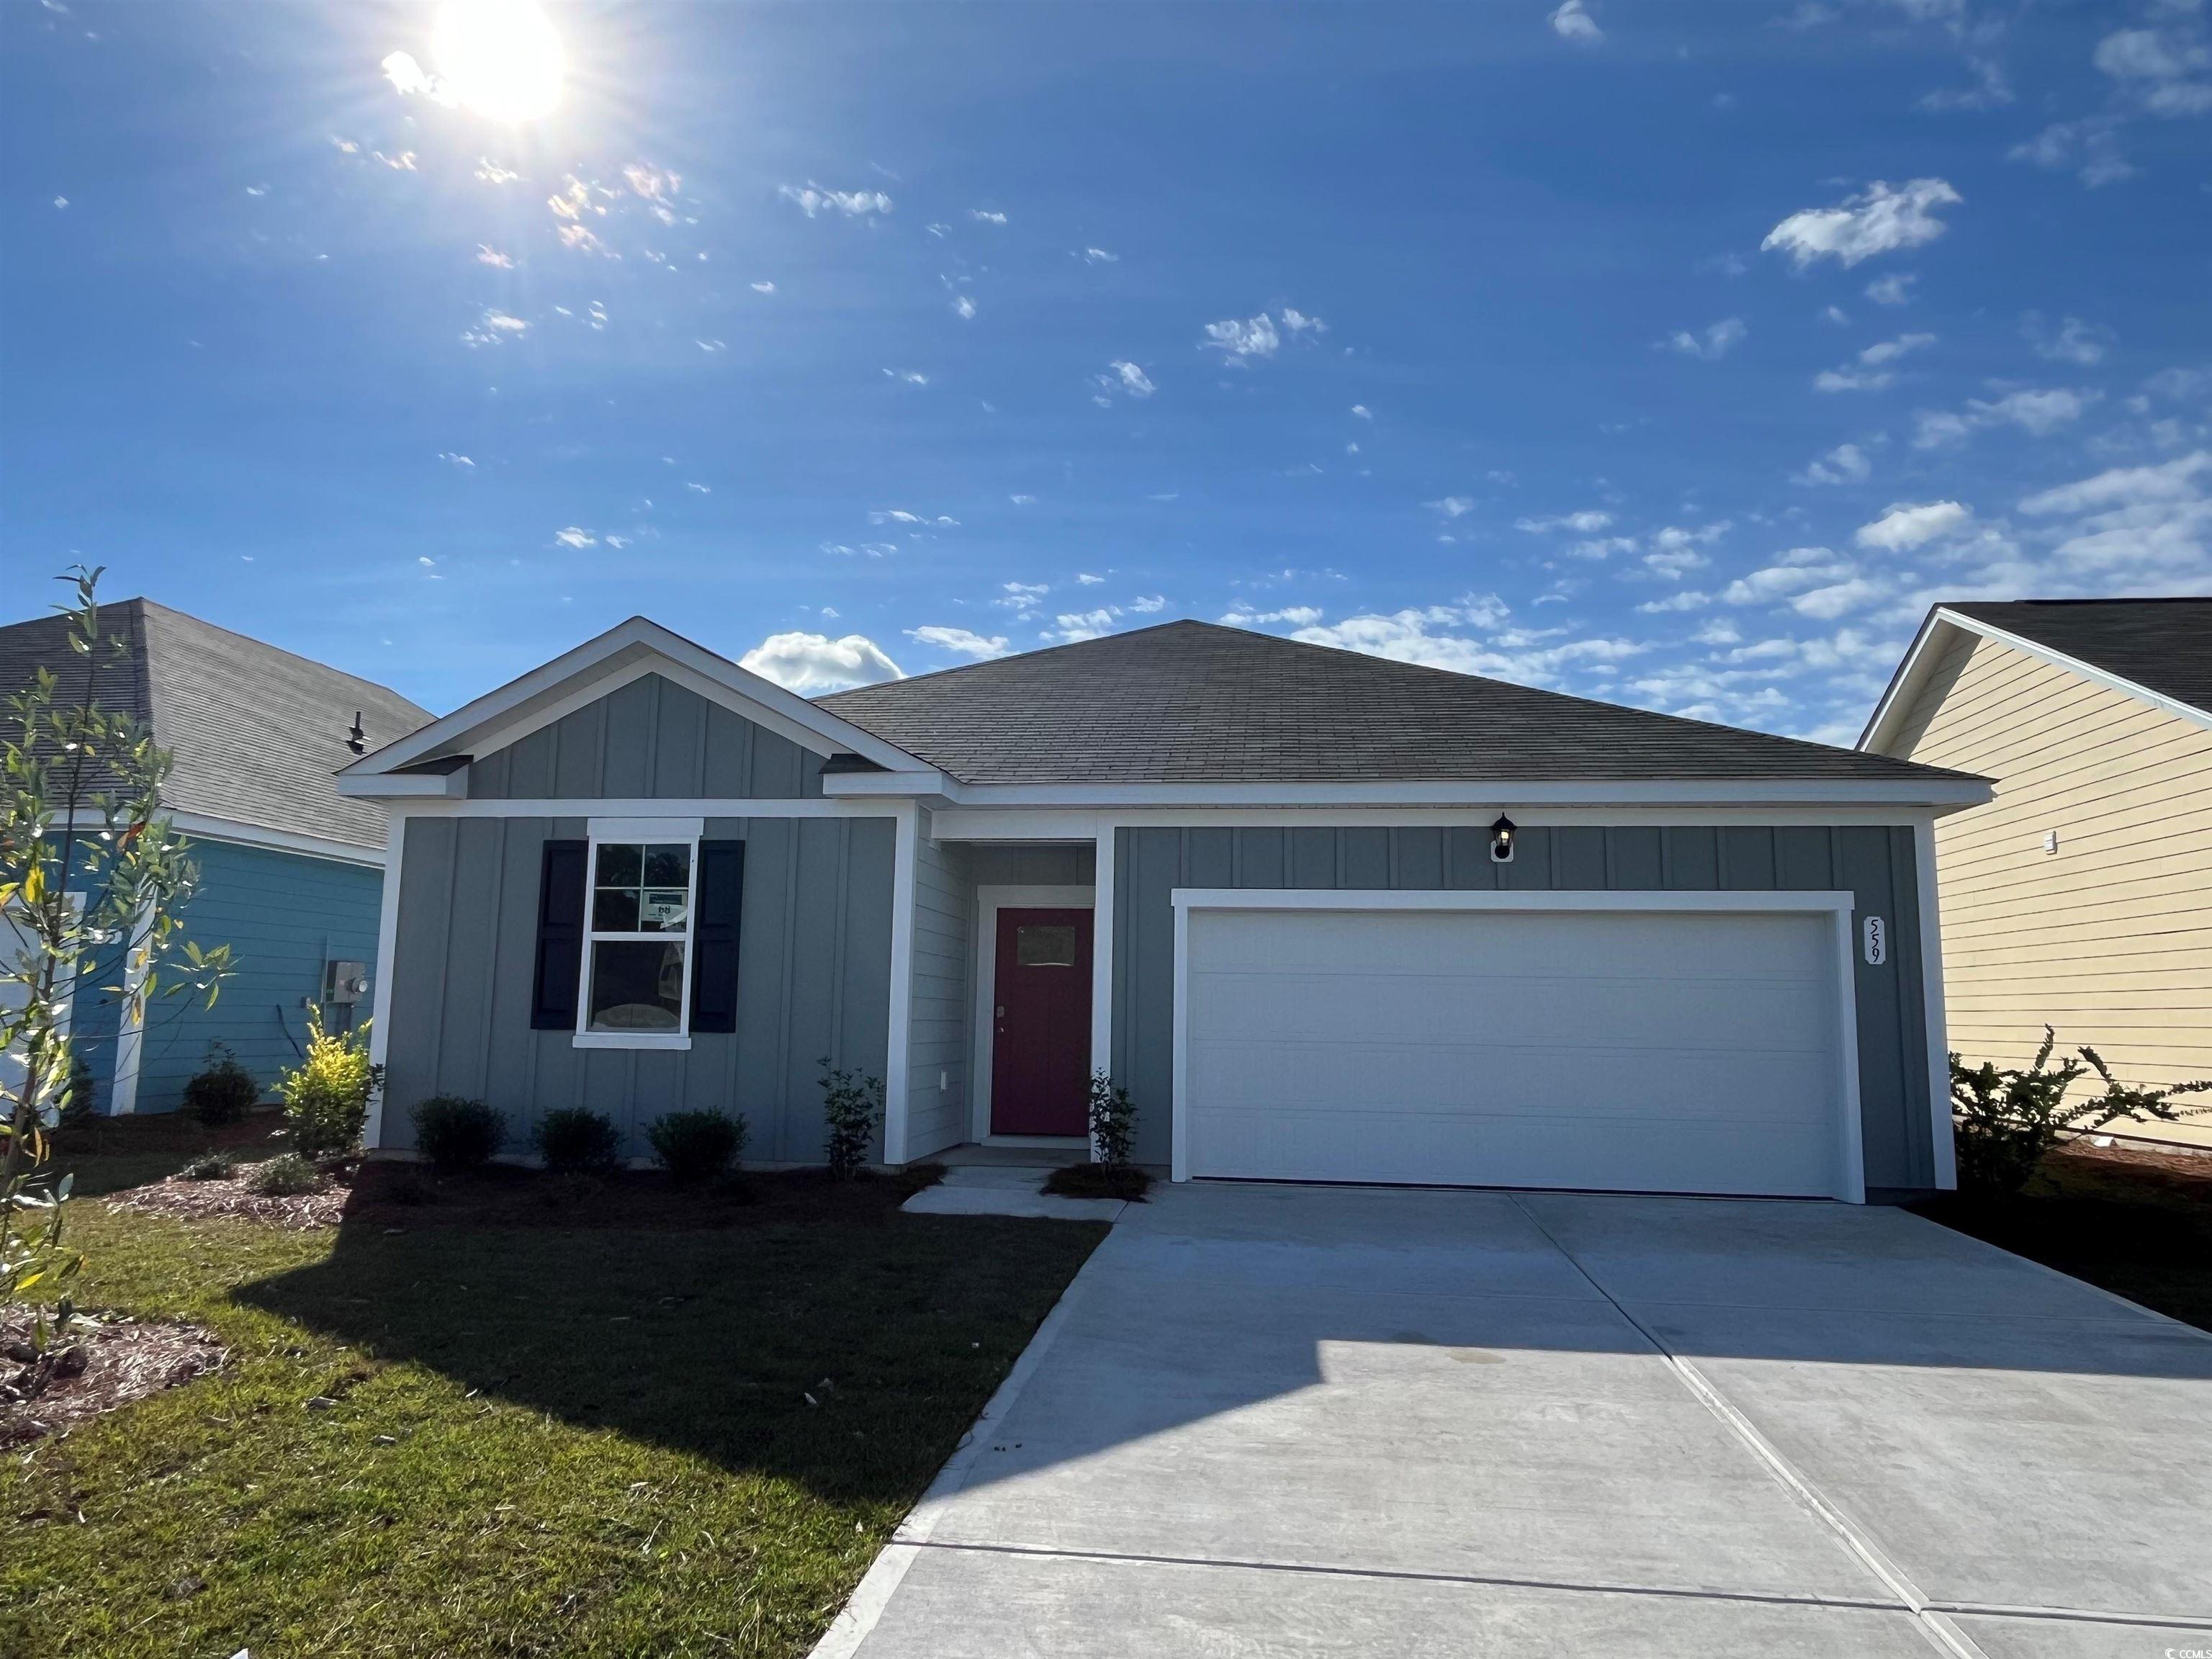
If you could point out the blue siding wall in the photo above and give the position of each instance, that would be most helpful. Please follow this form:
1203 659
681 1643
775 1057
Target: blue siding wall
284 915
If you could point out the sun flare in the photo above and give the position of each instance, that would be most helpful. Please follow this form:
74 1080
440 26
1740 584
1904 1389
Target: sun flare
500 58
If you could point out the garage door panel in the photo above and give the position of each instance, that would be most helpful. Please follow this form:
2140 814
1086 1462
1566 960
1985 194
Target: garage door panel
1416 1007
1654 945
1644 1050
1369 1082
1701 1157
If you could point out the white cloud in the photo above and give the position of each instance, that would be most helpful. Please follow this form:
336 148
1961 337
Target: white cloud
1020 598
494 326
961 642
1452 507
488 170
1297 615
493 257
1894 289
812 662
1360 411
1870 371
2170 71
1572 21
1123 377
410 79
900 515
1099 256
963 307
1793 572
2073 342
1255 337
1146 604
450 459
712 345
1443 636
1022 501
985 215
1688 599
1716 342
1587 522
1905 526
1844 463
2090 147
2177 480
1989 90
813 200
2037 412
576 536
2148 526
763 287
1879 220
1300 323
1069 626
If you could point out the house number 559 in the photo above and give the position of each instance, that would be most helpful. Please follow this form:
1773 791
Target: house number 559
1876 933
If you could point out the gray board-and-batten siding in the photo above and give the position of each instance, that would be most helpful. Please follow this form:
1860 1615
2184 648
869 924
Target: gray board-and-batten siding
813 980
1876 863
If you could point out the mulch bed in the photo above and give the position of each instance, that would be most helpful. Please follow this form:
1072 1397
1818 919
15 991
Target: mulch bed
1099 1181
2182 1168
234 1196
102 1364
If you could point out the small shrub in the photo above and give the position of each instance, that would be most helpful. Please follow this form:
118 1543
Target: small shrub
210 1166
1113 1121
694 1146
224 1091
458 1135
285 1176
2006 1120
575 1141
326 1095
851 1105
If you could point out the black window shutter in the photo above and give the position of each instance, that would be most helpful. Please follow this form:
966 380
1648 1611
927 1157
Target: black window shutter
560 936
714 936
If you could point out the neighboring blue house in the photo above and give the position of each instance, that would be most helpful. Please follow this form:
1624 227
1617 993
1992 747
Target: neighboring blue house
291 872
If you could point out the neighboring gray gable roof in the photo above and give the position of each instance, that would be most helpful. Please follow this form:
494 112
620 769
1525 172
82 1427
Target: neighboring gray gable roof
256 732
2161 645
1193 702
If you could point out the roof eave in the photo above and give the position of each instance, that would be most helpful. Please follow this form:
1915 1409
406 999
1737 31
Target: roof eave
1937 792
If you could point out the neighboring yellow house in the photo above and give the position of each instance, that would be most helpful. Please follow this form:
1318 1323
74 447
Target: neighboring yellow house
2081 895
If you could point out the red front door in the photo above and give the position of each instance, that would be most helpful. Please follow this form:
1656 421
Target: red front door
1040 1025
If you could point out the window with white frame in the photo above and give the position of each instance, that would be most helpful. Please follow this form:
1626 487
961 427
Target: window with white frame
637 978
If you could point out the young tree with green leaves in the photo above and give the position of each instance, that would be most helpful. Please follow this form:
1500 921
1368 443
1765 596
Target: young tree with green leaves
90 871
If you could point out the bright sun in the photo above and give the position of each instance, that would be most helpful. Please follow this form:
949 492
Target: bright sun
500 58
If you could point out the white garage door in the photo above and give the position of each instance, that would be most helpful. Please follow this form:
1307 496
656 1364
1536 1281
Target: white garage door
1651 1051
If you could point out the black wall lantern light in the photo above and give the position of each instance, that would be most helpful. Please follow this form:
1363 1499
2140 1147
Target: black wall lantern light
1501 841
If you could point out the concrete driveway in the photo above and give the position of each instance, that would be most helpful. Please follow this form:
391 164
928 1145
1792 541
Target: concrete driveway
1300 1421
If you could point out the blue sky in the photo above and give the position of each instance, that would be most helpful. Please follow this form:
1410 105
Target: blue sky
1672 354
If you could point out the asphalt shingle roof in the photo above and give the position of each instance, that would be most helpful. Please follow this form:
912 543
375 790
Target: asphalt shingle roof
2162 645
1193 702
256 732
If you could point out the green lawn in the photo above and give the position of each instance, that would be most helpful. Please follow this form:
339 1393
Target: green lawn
2144 1234
550 1437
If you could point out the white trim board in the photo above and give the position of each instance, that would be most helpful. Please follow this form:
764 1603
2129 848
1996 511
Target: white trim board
647 806
989 900
1929 644
1043 824
203 826
1838 906
906 848
1938 792
1935 1019
625 653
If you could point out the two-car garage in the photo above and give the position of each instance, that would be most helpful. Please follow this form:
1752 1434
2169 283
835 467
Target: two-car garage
1656 1041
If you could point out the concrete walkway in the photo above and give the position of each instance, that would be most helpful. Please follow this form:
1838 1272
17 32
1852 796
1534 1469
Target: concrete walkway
1308 1421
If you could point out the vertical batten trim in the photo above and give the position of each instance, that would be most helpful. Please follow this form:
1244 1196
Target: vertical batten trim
906 835
130 1027
1931 991
387 952
1102 914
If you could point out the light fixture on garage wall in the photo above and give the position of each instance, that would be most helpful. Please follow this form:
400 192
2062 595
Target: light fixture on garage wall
1501 841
